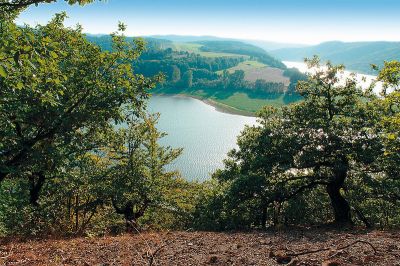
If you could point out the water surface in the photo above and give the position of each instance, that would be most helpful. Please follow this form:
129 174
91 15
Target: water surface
205 133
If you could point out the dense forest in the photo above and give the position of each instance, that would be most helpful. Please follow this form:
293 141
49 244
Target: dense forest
186 70
80 154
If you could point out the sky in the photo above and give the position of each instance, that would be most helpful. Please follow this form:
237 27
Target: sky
287 21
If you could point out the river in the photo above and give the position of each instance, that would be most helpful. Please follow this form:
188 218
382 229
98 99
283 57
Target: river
205 134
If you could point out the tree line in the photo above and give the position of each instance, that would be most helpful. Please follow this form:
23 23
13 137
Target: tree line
236 47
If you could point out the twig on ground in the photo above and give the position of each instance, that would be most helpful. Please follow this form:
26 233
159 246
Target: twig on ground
360 241
325 249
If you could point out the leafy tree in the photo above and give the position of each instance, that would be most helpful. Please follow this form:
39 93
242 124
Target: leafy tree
322 141
187 79
66 164
176 74
125 177
139 179
261 86
294 75
59 92
17 5
390 75
236 79
389 127
376 189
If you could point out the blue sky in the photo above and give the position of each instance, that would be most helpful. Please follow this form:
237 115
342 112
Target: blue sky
291 21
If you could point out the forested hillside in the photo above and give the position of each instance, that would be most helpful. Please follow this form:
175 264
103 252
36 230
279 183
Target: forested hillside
356 56
236 47
215 70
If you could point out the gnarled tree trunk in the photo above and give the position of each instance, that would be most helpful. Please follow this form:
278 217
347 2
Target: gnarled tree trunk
341 207
130 215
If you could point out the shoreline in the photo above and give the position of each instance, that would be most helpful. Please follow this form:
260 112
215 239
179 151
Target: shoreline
220 107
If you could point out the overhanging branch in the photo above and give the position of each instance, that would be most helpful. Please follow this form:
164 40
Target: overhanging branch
15 5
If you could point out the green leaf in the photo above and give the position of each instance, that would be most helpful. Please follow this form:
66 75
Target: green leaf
53 54
20 85
3 72
41 61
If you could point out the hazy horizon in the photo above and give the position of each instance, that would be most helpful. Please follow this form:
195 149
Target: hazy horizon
308 22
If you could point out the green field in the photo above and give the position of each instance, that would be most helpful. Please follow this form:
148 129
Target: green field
195 48
188 47
243 102
238 102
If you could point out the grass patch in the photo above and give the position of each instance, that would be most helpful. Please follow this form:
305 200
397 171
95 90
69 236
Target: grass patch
187 47
245 66
243 102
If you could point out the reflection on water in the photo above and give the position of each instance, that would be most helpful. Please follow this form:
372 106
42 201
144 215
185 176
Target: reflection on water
205 134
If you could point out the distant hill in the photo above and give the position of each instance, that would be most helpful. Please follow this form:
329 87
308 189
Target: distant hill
356 56
270 46
188 38
266 45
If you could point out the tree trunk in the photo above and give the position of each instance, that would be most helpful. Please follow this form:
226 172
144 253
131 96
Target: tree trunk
341 207
264 218
130 215
36 187
76 212
130 218
364 219
3 175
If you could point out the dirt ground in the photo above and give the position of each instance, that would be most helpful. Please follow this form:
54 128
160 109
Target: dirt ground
290 247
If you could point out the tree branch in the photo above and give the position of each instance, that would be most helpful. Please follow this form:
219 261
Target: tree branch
325 249
14 5
281 198
118 210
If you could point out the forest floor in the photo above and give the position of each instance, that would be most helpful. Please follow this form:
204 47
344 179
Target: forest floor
288 247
